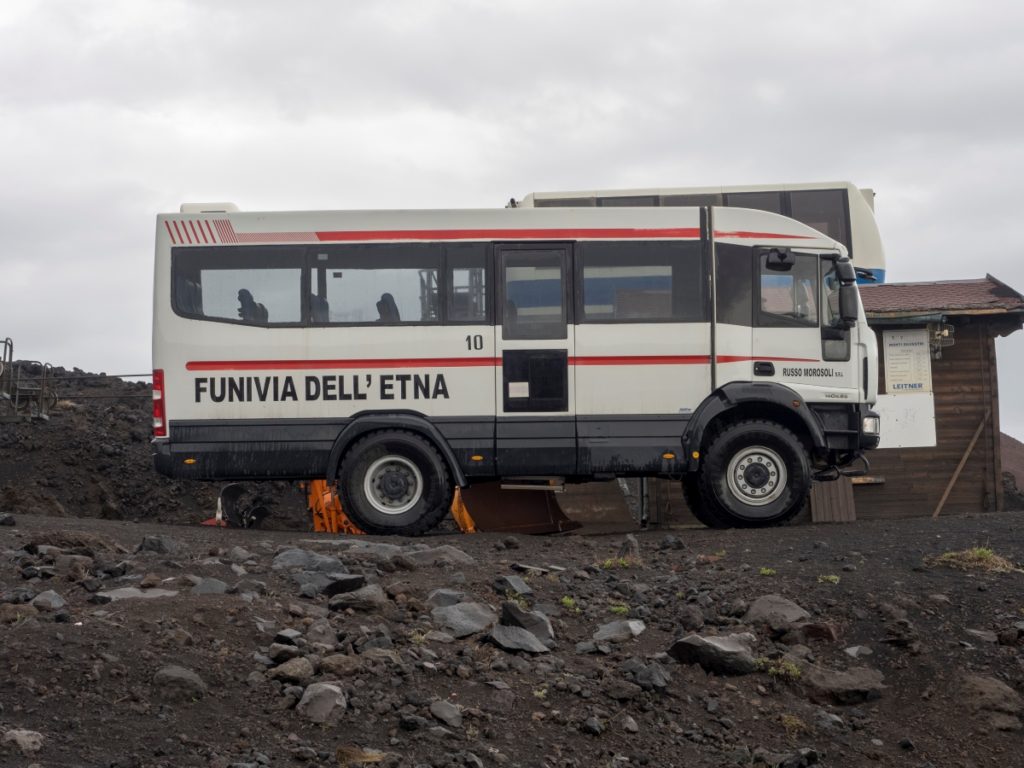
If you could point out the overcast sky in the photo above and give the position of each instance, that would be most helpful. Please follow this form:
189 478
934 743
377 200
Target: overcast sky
111 112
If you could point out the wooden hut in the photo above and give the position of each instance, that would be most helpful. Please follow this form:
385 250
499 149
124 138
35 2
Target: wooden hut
954 464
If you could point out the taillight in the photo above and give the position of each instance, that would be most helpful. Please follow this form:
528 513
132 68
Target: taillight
159 412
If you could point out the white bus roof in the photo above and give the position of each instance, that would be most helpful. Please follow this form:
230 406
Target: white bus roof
867 193
746 225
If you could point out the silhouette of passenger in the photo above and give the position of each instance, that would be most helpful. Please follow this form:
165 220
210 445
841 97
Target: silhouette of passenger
249 310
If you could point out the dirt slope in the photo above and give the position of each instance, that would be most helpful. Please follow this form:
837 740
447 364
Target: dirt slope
93 459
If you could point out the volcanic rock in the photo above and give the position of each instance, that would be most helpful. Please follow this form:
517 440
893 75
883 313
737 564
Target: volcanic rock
464 619
516 639
723 655
322 703
174 682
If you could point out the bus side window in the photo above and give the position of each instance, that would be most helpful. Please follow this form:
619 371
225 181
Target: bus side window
654 282
381 283
468 283
319 308
257 285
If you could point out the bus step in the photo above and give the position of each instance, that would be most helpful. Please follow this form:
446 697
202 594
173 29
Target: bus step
555 484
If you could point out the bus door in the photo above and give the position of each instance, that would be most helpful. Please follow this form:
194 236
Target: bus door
536 426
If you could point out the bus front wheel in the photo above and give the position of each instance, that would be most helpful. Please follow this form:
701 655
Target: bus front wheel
394 482
756 473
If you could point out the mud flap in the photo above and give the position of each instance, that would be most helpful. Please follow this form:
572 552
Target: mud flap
497 510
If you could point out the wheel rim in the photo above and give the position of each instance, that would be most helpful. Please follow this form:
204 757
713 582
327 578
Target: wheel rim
393 485
757 476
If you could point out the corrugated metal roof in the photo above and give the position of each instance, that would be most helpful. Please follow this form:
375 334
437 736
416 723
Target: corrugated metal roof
985 295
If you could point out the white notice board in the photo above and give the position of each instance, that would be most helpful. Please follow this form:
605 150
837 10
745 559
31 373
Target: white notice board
908 420
908 361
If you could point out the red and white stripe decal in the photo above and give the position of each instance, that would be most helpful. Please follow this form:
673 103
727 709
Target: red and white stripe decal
464 362
201 232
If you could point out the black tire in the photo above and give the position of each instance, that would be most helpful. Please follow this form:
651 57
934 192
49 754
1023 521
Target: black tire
394 482
691 495
755 473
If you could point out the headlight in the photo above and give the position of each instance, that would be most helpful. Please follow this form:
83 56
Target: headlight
872 425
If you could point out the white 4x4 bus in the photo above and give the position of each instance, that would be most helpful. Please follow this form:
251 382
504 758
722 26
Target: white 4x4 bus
403 353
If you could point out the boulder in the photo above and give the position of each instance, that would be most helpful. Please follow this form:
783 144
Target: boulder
534 622
619 631
981 693
464 619
340 665
442 597
322 703
447 713
443 555
29 742
48 601
853 686
298 670
512 585
161 545
775 611
343 582
721 654
516 639
368 598
308 561
174 682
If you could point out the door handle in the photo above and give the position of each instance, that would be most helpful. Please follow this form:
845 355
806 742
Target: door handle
764 368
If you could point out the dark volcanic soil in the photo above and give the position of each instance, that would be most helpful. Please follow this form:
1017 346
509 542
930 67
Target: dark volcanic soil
127 643
92 458
940 686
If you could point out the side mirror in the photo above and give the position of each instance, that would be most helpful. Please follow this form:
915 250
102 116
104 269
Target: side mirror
846 271
848 304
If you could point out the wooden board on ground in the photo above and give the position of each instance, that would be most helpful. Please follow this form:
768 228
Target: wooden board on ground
832 502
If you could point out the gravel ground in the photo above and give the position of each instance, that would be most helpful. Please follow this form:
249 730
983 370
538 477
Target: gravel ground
139 644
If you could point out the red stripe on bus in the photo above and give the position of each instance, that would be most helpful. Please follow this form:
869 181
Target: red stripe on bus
507 234
742 235
170 232
742 359
291 365
642 360
209 231
192 226
178 232
467 362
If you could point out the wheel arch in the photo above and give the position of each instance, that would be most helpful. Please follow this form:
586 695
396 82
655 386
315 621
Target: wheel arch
737 401
364 424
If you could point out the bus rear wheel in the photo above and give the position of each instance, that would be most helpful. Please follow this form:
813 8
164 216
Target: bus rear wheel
756 473
394 482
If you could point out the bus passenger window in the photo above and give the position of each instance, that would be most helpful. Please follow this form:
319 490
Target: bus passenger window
253 285
468 285
641 282
385 284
